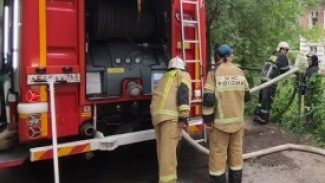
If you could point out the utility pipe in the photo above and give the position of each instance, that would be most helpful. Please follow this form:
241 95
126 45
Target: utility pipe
51 83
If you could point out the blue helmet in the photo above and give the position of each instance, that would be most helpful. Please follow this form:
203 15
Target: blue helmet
224 50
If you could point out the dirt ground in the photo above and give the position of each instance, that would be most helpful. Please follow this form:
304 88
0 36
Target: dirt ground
138 164
284 167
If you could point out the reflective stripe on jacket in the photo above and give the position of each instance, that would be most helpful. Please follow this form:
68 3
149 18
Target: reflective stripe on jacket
270 68
274 66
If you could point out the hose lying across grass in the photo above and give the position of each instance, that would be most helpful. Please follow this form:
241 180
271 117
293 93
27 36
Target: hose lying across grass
285 147
270 150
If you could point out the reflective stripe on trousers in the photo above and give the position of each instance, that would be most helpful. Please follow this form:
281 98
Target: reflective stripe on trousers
168 178
222 146
168 135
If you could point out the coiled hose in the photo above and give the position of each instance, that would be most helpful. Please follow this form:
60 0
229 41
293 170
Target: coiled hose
109 21
266 151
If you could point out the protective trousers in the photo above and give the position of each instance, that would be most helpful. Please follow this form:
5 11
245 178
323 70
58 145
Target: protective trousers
265 100
225 146
168 135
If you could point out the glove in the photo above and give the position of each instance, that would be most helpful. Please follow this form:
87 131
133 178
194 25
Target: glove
208 119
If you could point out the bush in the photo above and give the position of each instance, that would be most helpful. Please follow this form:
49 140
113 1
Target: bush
286 106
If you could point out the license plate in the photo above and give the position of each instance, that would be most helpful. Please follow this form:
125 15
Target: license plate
43 78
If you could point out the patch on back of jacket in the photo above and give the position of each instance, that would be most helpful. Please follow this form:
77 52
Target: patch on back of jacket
231 82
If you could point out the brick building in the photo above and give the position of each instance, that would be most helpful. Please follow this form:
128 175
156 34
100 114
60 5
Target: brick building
310 18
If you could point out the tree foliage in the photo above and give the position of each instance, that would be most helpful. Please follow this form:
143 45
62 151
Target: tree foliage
286 112
254 28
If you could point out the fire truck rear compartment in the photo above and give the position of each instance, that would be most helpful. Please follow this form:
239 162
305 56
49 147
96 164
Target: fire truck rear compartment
128 50
127 46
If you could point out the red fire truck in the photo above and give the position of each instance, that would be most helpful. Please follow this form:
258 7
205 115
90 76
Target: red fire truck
90 66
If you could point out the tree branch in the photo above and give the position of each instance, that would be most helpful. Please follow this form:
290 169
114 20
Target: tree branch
214 13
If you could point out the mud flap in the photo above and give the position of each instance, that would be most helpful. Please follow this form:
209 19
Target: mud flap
13 157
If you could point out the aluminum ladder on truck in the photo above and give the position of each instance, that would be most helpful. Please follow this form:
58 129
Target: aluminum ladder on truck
186 23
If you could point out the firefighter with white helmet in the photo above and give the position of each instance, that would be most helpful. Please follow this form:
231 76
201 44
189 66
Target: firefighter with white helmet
170 112
176 63
225 93
275 65
283 45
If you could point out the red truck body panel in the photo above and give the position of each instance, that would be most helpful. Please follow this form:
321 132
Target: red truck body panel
54 41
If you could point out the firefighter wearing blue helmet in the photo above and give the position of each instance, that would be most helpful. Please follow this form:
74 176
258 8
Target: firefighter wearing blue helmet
225 93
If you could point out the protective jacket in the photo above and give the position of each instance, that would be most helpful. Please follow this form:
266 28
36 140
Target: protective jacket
223 100
274 66
171 97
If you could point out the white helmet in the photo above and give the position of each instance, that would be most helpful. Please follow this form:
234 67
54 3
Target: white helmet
176 63
284 45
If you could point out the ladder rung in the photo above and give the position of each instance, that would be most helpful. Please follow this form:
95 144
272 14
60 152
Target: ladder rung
193 61
190 21
196 101
194 123
188 25
196 81
191 41
195 120
189 2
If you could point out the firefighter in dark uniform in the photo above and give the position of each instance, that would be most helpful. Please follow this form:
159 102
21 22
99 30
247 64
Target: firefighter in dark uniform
274 66
307 85
225 93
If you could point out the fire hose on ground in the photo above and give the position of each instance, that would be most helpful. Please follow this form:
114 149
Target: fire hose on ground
285 147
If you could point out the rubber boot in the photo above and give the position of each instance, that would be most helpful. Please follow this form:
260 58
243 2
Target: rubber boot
259 120
218 179
235 176
264 118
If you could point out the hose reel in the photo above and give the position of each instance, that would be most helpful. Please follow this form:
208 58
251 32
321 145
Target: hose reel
109 21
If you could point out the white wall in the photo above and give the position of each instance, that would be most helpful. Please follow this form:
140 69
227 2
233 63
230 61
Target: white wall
305 49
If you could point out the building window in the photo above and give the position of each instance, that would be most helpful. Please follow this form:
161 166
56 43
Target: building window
314 17
313 50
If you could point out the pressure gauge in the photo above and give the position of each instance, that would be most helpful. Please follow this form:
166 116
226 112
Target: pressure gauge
137 60
127 60
118 60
